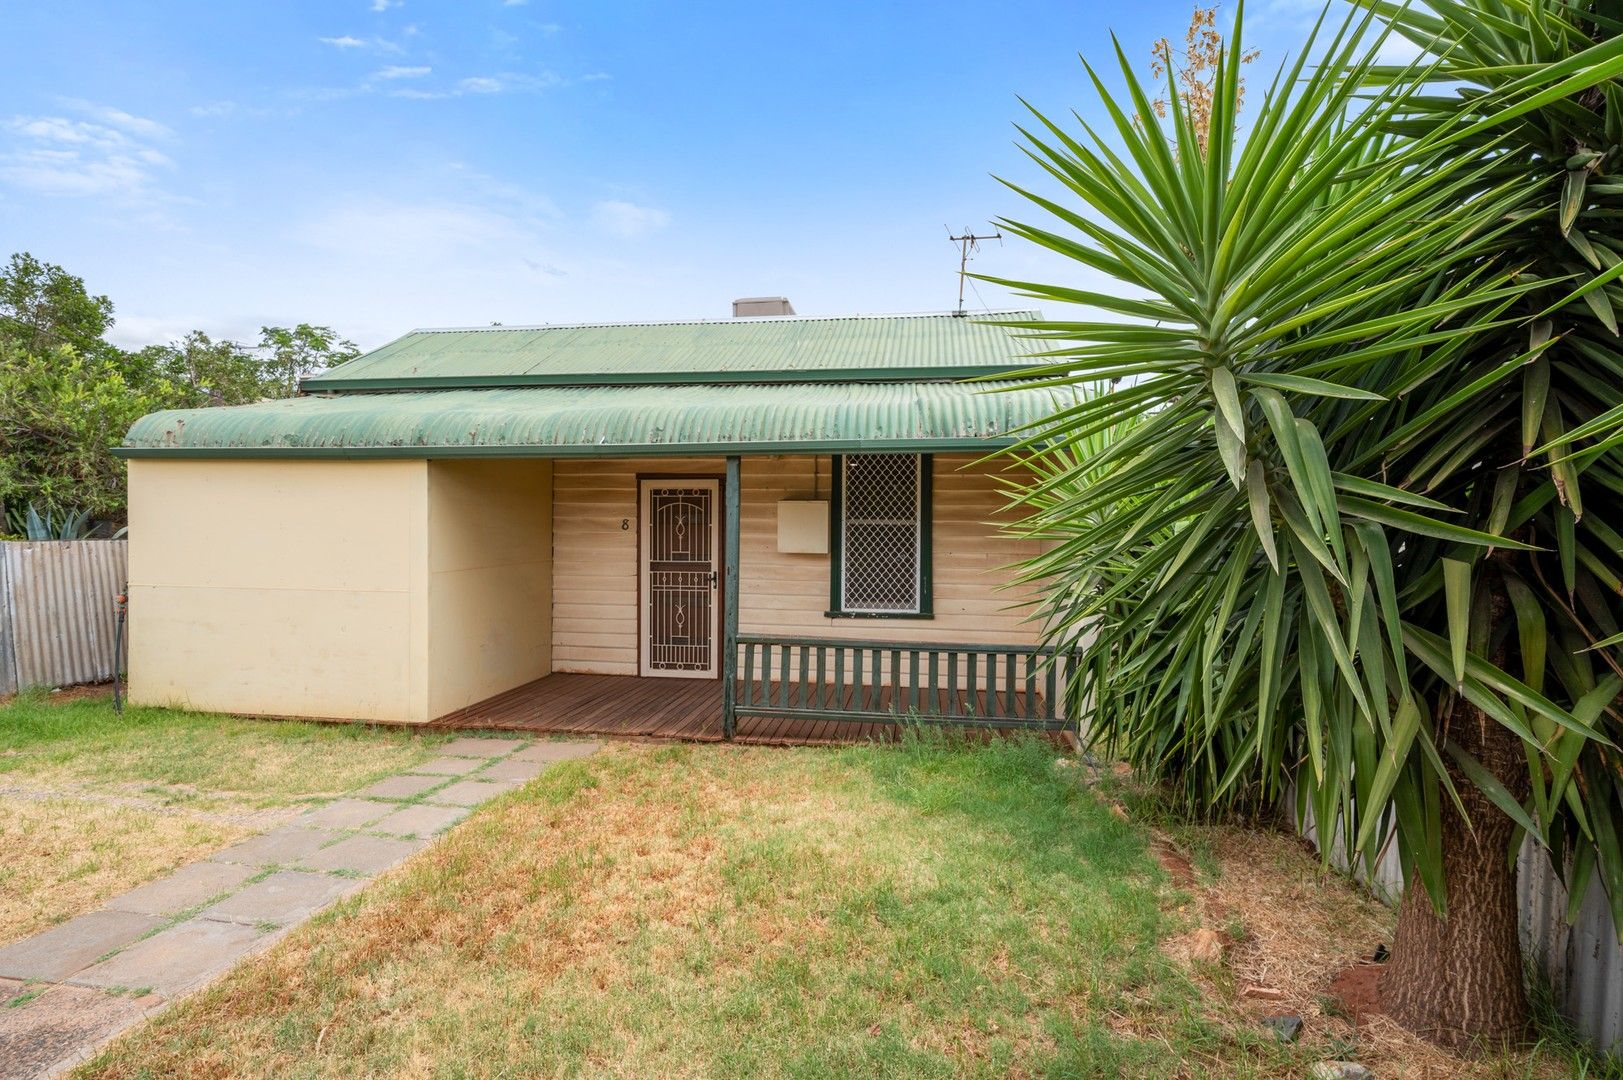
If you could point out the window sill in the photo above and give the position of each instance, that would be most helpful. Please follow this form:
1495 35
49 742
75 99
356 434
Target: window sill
879 615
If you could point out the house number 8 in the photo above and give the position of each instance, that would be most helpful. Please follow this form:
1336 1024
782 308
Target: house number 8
625 524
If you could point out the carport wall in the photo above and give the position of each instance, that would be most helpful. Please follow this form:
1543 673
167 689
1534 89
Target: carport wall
390 590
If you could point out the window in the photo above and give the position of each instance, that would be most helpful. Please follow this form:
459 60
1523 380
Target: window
881 526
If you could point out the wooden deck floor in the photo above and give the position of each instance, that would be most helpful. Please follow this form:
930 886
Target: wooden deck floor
631 707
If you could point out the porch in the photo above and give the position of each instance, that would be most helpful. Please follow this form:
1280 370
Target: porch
797 692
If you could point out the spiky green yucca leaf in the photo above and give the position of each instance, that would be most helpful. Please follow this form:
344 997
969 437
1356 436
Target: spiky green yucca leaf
1372 373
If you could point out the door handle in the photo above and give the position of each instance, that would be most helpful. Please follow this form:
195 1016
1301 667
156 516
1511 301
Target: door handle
712 579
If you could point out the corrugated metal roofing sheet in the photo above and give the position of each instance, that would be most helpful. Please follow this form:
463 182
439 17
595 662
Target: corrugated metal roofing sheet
602 421
788 349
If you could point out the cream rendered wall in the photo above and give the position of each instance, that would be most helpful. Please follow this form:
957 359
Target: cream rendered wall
280 588
392 591
489 578
595 559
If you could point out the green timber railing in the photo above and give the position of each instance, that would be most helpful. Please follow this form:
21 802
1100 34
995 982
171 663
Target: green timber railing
997 686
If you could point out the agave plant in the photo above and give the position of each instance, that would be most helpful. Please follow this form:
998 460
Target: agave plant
1347 544
32 525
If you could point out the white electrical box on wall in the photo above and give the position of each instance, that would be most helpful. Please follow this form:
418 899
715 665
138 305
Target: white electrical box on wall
803 526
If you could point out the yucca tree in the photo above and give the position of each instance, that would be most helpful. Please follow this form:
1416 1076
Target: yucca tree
1365 535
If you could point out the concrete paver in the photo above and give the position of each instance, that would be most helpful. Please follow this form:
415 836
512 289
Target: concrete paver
60 951
344 814
184 889
287 896
470 792
556 751
519 771
182 957
284 845
448 766
400 787
362 854
420 820
474 747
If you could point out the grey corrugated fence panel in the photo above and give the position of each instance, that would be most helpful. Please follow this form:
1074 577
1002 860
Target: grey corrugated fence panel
59 599
1582 961
8 653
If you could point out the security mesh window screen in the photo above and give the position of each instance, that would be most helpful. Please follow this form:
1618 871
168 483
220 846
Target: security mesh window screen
880 538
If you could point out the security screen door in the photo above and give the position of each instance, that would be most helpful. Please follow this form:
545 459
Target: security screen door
680 572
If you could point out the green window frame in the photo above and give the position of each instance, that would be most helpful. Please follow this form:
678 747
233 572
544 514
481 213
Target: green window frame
840 544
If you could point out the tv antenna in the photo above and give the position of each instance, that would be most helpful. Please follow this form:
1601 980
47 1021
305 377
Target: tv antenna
968 244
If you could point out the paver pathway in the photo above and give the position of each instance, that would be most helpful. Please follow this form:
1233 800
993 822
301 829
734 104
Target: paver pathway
66 991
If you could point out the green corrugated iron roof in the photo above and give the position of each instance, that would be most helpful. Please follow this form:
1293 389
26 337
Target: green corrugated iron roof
778 349
604 421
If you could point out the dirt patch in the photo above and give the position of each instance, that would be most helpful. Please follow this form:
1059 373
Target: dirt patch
1178 868
64 694
52 1030
1358 992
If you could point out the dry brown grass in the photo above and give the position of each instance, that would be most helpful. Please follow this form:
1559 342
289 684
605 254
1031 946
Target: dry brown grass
62 857
93 803
1299 925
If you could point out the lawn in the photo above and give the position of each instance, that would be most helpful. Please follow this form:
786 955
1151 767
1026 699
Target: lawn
928 910
93 803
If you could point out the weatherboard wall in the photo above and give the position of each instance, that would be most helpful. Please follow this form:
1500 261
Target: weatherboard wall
595 617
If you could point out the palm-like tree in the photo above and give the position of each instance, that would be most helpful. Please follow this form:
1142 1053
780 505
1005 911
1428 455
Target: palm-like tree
1364 537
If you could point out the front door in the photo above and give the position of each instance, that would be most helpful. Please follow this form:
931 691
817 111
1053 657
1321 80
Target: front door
680 591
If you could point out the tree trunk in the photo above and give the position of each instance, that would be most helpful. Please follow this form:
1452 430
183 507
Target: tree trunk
1458 980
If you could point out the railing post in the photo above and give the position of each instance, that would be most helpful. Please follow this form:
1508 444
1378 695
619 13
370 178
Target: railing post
729 607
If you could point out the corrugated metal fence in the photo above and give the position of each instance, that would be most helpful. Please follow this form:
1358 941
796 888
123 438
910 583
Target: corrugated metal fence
1582 961
57 611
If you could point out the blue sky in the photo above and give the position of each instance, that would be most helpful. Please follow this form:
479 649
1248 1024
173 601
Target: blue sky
377 165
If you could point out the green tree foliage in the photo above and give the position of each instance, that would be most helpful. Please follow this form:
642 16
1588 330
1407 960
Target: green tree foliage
291 354
68 395
60 414
43 306
1365 535
208 372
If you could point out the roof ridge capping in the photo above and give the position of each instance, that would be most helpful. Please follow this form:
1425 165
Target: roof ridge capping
777 348
753 320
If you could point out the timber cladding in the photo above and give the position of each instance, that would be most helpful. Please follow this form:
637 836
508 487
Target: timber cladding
595 552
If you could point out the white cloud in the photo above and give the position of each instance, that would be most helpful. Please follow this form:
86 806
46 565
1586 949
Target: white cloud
345 42
214 109
510 82
385 5
136 125
627 219
58 155
396 71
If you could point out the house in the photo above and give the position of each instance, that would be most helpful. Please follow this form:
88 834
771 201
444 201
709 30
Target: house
764 518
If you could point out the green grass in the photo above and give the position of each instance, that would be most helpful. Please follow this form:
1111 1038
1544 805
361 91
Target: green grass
927 910
173 755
